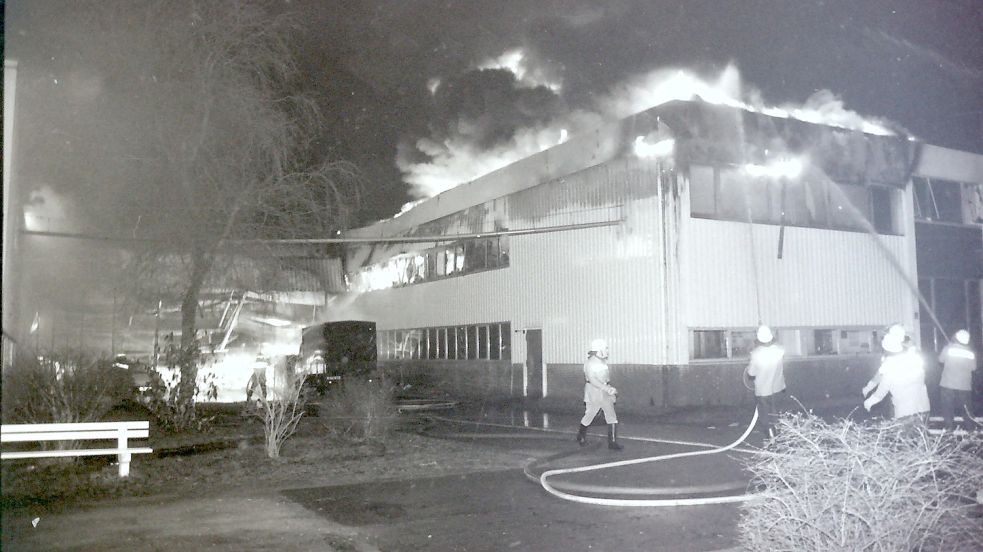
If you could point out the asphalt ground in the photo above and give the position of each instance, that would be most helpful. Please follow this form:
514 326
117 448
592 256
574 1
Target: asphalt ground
486 510
509 510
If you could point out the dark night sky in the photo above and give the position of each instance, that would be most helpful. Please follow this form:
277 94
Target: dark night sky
400 85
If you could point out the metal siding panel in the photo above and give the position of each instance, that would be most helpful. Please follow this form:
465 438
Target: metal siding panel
575 285
824 278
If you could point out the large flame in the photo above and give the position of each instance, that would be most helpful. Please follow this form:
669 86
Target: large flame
455 161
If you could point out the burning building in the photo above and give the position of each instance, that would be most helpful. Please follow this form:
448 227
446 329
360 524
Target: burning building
673 234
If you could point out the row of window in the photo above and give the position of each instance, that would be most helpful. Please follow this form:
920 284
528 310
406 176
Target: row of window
729 193
445 261
942 200
469 342
726 343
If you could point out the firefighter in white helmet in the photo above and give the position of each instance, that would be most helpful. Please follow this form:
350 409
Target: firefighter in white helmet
766 366
898 331
902 374
958 362
599 394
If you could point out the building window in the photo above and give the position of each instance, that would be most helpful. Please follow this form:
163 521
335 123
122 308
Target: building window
937 199
474 342
741 342
462 342
712 344
709 344
494 344
506 336
729 193
482 342
823 343
457 259
432 343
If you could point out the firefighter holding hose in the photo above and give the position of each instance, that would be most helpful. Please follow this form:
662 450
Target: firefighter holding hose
766 367
902 375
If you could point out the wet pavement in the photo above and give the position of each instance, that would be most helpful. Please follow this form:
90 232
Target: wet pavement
504 511
477 511
509 510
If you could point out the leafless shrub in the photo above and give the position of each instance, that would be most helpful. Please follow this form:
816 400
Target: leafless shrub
361 410
62 387
281 413
878 487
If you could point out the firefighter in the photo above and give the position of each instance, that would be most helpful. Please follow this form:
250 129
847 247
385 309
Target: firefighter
902 334
258 377
767 368
958 362
599 394
902 374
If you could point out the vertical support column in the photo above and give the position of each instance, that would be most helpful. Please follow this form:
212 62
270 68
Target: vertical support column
124 457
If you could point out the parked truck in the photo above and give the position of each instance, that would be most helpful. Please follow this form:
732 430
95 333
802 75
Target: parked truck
333 351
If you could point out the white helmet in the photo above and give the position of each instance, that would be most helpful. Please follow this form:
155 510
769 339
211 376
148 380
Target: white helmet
765 335
598 345
892 343
897 330
962 336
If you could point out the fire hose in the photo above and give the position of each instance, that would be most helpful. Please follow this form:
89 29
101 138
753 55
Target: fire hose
711 449
649 502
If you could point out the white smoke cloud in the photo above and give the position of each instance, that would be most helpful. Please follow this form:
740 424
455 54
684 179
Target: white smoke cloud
456 159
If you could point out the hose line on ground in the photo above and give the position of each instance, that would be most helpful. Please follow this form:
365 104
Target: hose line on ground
552 489
648 502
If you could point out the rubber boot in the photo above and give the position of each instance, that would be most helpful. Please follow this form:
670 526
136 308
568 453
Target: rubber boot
582 435
613 437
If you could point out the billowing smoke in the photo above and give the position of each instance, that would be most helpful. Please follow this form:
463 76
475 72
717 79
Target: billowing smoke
489 118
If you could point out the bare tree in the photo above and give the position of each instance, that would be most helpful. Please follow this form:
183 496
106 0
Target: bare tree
211 141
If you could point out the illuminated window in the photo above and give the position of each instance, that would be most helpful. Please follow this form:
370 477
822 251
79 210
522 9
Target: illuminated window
459 258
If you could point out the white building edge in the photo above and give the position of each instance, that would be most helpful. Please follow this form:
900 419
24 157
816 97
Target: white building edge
639 233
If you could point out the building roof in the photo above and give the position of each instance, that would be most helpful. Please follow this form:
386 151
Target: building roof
704 133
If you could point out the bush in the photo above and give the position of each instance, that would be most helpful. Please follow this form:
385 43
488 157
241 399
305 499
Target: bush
361 410
880 487
63 387
281 415
174 408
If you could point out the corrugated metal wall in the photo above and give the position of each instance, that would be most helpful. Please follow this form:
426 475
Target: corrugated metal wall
823 278
574 285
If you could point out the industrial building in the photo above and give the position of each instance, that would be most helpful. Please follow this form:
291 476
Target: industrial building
673 234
